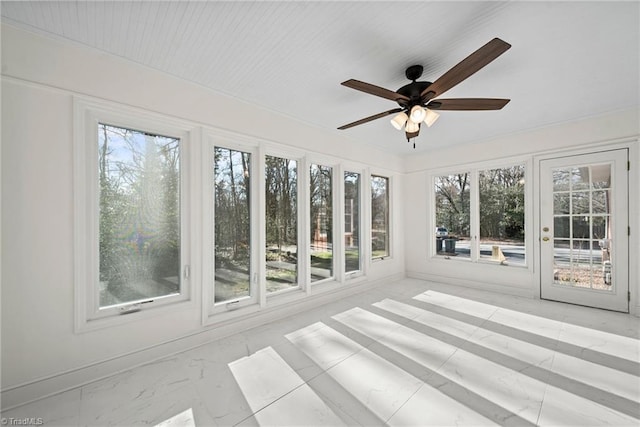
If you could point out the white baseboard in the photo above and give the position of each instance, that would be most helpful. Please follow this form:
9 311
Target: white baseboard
503 289
47 386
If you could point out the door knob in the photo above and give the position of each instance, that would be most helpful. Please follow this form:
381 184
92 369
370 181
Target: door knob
545 239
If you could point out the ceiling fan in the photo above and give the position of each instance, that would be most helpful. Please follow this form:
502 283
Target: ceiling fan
417 99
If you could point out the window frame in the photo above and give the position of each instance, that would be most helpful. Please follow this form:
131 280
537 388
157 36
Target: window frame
474 170
363 254
336 250
299 159
88 114
230 141
389 219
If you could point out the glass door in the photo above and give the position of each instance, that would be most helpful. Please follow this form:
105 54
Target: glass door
584 230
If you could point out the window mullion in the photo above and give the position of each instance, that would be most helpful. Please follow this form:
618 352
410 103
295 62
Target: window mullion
338 224
474 217
258 228
304 225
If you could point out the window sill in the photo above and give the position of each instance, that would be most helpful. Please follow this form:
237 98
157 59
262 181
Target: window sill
97 323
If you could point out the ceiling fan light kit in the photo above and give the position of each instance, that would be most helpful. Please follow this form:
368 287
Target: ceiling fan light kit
418 114
399 120
431 117
411 127
416 99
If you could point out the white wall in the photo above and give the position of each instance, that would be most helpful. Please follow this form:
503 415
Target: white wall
603 132
40 351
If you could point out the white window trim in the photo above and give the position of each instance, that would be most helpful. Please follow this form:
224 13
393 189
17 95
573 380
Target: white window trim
88 113
336 248
361 200
390 236
226 309
473 169
298 157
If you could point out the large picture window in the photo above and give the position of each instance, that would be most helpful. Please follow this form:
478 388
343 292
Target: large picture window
130 198
281 210
379 216
139 219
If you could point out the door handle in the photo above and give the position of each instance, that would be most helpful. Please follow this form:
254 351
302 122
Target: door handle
545 239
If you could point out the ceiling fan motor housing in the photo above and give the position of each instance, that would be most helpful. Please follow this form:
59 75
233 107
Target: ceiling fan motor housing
413 89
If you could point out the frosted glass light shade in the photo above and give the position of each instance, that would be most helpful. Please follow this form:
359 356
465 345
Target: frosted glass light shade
411 127
417 114
399 120
430 117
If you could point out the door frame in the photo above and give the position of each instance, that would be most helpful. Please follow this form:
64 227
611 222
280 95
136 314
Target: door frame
632 144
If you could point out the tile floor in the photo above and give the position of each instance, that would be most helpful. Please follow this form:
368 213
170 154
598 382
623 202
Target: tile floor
407 353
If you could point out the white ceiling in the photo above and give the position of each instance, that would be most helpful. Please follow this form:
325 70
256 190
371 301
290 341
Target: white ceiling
569 60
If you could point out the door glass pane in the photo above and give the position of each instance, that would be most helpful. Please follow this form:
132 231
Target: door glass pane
561 178
379 216
139 223
580 178
352 221
281 211
321 222
501 193
232 224
453 215
561 203
600 201
599 224
582 233
580 202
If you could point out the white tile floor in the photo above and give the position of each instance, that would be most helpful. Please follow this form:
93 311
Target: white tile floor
407 353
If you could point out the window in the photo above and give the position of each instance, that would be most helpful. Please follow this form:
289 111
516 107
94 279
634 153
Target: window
139 219
502 214
453 206
379 216
281 209
352 221
480 215
232 225
321 218
131 248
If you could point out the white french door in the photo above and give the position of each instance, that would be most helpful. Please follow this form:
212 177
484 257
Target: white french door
584 230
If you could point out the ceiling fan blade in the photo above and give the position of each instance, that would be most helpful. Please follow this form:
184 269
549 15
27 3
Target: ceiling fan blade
370 118
466 68
468 104
374 90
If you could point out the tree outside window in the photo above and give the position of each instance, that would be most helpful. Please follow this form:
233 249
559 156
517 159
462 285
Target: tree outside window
502 214
321 219
498 217
139 221
453 207
232 224
281 209
352 221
